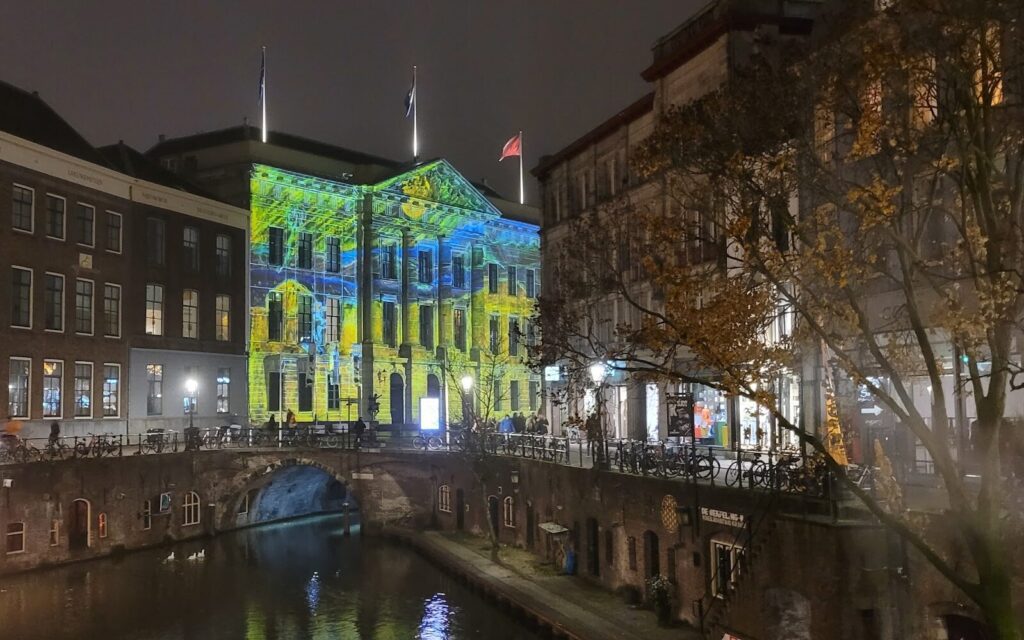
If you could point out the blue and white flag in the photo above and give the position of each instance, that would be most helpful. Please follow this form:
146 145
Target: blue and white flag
263 74
410 98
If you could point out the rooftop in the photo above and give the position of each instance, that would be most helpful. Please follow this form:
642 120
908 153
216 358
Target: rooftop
133 163
26 115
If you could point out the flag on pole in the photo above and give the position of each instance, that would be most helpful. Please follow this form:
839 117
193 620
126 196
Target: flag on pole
263 74
513 148
410 98
263 94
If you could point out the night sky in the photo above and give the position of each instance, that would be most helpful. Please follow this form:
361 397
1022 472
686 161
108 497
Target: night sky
338 70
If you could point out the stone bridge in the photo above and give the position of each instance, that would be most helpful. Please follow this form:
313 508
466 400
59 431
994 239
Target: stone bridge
79 508
625 528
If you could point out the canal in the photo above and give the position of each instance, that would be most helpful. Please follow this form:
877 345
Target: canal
289 581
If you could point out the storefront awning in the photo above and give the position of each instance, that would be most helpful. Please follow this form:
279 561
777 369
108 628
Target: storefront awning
553 528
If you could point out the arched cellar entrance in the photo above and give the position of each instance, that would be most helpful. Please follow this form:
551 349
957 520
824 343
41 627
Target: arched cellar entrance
291 491
79 524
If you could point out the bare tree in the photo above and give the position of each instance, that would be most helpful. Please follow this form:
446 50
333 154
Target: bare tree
864 200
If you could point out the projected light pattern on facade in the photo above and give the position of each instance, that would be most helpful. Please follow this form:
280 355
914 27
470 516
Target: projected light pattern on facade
363 292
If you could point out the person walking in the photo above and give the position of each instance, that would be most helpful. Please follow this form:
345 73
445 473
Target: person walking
290 419
54 433
359 428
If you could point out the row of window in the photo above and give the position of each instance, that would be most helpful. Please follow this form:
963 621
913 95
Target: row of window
191 512
83 388
389 329
55 223
304 244
190 401
155 313
444 504
514 395
22 311
156 248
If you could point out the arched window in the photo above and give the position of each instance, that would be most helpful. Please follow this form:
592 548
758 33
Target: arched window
147 515
101 525
444 498
191 509
510 511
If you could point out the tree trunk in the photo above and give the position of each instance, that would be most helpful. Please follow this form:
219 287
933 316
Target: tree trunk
997 603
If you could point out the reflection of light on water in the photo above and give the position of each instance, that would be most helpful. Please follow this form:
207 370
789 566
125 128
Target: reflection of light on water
434 625
313 593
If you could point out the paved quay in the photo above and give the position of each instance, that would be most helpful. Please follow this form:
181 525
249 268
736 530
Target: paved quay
568 606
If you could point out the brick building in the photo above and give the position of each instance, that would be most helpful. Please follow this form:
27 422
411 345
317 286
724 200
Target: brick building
74 245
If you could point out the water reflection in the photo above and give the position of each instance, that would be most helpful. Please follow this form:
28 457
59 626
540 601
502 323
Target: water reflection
435 619
283 582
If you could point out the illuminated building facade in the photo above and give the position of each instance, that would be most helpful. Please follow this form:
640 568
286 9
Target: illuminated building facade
373 285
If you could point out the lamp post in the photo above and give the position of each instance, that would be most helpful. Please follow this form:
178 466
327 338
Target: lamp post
467 399
191 386
598 373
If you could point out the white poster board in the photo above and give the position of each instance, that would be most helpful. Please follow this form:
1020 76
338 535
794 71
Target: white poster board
430 414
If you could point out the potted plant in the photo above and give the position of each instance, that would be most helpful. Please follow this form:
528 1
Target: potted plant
659 598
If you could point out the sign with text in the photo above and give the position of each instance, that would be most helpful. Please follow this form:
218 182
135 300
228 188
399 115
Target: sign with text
552 373
680 414
726 518
430 414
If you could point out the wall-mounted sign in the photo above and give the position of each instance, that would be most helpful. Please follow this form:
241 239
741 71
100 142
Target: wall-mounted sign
552 373
85 260
726 518
165 502
430 414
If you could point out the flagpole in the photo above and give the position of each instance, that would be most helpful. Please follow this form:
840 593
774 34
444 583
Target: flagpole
264 101
415 128
522 193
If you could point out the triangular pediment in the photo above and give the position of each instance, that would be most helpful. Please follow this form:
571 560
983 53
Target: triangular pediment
438 182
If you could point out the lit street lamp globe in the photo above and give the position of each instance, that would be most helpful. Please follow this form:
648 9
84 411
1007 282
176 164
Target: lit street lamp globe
467 383
191 385
598 371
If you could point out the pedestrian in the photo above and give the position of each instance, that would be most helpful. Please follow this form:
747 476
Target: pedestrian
359 428
271 424
506 425
10 434
290 419
54 433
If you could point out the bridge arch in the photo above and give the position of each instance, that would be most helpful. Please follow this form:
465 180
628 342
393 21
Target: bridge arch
283 489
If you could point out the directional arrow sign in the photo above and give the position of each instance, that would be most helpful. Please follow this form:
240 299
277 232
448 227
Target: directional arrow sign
875 410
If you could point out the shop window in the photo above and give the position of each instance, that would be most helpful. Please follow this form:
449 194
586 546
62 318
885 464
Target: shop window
726 564
444 498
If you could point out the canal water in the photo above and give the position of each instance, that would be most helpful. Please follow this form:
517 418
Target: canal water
290 581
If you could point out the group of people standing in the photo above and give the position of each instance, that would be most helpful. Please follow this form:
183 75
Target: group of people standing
518 423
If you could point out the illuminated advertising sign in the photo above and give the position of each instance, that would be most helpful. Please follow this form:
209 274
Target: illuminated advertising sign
430 414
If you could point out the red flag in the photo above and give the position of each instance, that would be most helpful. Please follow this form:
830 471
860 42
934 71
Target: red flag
513 148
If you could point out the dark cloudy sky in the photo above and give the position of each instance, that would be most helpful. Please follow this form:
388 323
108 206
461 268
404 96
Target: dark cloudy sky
338 70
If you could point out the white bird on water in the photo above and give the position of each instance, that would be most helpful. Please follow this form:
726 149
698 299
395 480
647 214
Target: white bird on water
169 558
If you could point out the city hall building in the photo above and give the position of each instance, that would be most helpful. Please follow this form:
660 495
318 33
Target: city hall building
375 288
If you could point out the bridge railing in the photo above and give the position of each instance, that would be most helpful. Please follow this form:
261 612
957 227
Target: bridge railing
785 472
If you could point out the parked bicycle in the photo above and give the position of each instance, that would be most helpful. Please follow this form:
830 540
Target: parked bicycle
98 446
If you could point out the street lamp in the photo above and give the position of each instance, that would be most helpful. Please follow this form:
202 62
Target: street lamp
191 386
598 373
467 383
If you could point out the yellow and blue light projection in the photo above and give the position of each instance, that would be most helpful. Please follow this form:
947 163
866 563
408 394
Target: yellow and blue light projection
370 294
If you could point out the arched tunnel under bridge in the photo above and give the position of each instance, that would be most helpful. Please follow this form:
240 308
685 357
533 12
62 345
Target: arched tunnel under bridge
292 491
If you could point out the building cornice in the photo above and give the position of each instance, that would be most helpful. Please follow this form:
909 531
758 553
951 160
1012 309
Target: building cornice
35 157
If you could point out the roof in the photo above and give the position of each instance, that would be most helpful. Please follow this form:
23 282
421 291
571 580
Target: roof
133 163
624 117
242 133
27 116
719 17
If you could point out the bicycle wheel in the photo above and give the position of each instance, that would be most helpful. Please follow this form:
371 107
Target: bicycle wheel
419 443
760 474
733 474
707 467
